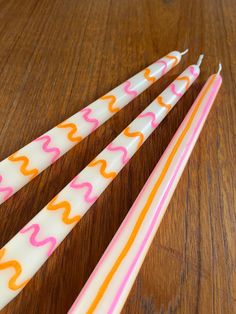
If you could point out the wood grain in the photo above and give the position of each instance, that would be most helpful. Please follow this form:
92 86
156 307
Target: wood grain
58 56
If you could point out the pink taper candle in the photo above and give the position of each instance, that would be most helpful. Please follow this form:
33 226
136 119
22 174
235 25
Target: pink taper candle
24 165
110 283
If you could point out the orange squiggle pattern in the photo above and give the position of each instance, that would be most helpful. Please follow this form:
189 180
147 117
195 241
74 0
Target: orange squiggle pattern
52 205
148 77
184 78
17 268
23 168
160 102
71 135
107 175
174 58
135 134
111 103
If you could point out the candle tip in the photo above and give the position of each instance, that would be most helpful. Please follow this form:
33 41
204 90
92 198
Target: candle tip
220 68
199 61
184 52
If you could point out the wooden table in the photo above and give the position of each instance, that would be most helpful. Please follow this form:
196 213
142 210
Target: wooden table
58 56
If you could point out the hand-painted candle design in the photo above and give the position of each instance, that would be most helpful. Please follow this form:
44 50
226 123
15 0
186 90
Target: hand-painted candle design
110 283
24 165
30 248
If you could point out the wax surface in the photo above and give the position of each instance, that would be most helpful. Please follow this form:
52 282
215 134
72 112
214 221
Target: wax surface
109 285
24 165
32 246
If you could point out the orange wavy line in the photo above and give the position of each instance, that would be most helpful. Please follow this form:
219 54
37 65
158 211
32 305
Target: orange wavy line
18 270
103 167
72 132
135 134
111 102
172 57
148 77
184 78
23 168
162 104
67 209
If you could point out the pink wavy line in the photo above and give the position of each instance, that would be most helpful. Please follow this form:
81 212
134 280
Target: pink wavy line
89 187
165 66
86 114
125 157
7 190
34 242
127 89
191 69
47 149
152 115
172 87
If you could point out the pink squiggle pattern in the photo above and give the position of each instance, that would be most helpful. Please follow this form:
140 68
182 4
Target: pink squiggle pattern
173 89
34 242
7 190
165 65
88 185
153 117
128 91
86 117
192 71
55 150
125 157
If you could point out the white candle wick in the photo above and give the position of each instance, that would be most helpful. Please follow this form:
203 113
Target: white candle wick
199 61
184 52
220 68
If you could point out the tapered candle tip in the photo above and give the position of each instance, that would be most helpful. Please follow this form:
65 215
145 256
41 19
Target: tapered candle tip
220 68
184 52
199 61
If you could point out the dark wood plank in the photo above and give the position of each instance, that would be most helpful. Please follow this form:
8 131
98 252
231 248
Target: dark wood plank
58 56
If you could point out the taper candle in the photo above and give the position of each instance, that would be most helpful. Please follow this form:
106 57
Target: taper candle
108 286
32 246
24 165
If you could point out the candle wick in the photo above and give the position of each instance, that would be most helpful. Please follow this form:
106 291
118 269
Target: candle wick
220 68
199 61
184 52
